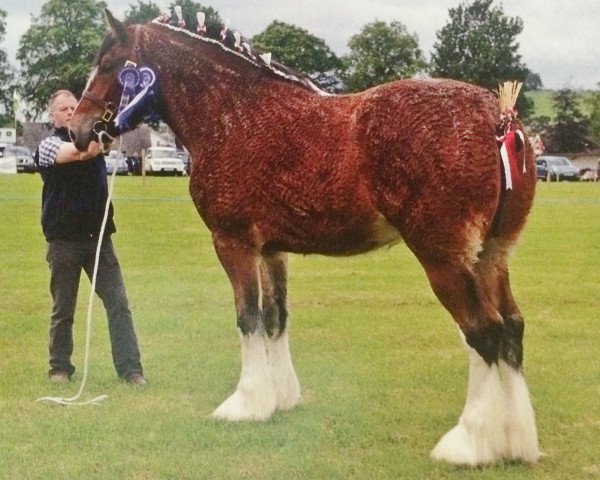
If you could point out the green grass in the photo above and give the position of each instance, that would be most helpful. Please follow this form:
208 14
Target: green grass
382 369
543 104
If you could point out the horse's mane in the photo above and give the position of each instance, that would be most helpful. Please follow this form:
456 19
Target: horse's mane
234 44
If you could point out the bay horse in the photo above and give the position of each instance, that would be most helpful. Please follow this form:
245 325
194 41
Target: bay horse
279 167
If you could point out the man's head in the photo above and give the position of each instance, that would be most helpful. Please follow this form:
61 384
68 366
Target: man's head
61 108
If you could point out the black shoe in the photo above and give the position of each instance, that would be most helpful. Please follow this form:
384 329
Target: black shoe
136 379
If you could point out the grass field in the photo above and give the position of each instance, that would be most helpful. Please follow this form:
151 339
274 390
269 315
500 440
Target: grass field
544 103
380 362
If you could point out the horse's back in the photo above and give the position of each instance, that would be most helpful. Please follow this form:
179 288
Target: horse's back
434 163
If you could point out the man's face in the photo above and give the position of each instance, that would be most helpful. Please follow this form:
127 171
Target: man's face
64 106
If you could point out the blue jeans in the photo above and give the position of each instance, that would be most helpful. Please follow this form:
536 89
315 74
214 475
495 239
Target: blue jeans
66 260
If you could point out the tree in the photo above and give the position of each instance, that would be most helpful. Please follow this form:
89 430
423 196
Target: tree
7 116
381 53
190 9
141 13
478 45
570 132
541 125
298 49
144 12
534 81
594 103
58 49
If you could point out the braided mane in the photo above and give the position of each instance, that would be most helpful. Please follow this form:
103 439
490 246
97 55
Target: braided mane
226 39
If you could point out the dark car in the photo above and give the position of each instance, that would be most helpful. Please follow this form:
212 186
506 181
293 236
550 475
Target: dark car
134 163
555 169
23 157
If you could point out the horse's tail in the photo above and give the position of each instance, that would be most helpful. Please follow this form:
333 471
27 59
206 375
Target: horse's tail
518 180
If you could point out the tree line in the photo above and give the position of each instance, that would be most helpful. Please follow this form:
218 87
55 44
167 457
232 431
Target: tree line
478 44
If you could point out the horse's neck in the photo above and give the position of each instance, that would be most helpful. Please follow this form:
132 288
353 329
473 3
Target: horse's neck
204 90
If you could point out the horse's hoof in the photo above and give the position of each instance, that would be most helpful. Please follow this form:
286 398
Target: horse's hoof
457 448
460 447
289 402
289 394
239 407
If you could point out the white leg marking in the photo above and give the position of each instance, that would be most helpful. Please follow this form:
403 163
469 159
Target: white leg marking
285 380
255 397
497 422
520 427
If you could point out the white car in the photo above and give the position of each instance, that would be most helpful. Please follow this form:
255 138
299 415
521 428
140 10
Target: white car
8 162
24 158
164 160
113 158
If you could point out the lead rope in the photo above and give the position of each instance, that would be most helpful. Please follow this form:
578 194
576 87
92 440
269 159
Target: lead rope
72 401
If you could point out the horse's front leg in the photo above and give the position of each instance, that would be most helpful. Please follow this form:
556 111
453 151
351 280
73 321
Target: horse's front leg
275 310
255 397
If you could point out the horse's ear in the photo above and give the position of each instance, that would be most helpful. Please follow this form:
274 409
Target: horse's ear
117 27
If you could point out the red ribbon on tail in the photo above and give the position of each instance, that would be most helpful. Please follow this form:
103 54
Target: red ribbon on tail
509 151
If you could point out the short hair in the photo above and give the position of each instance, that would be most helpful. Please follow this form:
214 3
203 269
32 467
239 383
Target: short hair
57 94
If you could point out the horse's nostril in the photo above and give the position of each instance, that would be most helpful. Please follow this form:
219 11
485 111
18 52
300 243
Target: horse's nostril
72 135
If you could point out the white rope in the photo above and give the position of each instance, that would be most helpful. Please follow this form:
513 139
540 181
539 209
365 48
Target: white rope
88 335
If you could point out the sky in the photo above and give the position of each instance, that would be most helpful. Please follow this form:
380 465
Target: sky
560 40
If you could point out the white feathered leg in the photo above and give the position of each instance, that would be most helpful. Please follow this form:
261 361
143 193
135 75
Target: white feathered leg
497 422
520 426
255 397
286 383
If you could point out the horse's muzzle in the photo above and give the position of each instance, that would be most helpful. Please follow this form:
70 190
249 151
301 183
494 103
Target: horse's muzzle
81 132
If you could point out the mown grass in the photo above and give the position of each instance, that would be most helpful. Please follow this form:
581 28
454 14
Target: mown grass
543 102
381 366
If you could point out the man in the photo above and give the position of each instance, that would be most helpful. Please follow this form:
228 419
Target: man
73 203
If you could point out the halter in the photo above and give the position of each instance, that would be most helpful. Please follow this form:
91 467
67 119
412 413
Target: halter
138 90
109 108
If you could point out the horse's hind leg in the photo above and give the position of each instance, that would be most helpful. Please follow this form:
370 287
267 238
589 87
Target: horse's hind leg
521 431
255 397
497 421
275 311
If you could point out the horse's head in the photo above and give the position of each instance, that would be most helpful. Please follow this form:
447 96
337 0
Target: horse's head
102 96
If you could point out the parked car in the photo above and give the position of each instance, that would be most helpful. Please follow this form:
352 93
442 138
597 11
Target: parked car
164 160
134 162
555 169
185 157
8 164
113 158
22 158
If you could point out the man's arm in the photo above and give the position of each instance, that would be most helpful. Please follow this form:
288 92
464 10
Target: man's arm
67 153
54 151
